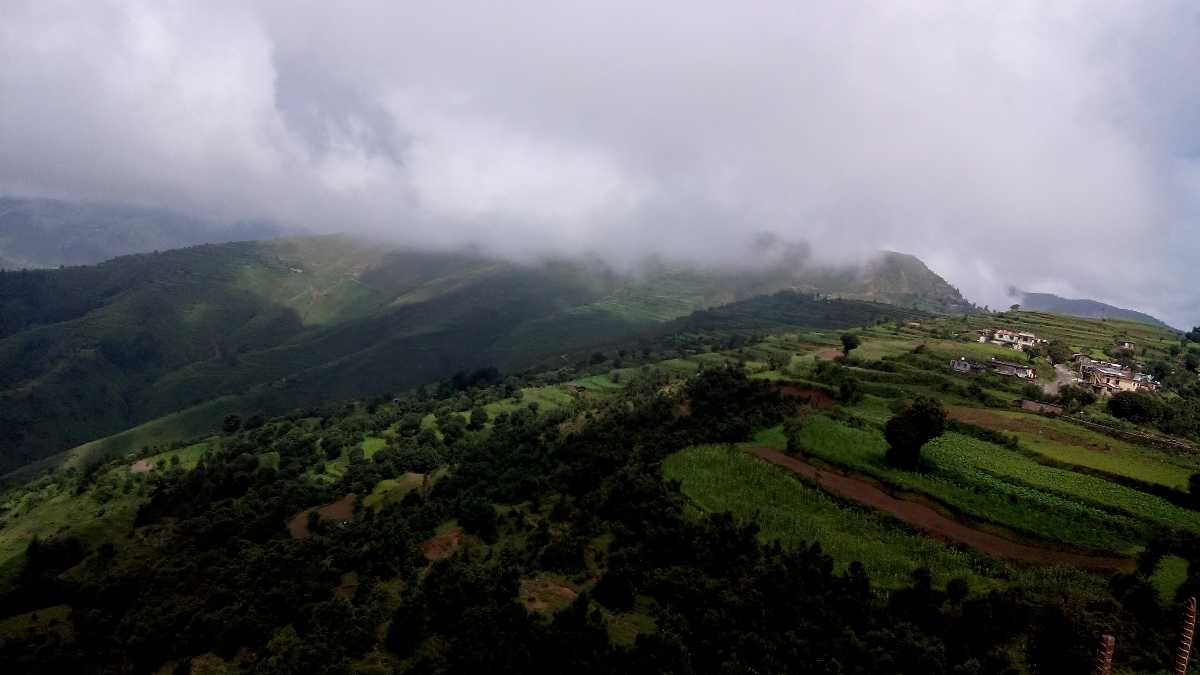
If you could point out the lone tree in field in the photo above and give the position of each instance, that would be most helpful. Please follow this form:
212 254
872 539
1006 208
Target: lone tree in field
909 430
849 343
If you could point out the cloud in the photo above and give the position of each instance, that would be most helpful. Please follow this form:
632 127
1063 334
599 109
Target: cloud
1051 146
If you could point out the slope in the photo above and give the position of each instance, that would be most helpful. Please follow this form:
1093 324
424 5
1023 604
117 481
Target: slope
86 352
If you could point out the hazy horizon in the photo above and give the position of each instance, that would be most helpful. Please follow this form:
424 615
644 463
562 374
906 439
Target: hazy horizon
1048 147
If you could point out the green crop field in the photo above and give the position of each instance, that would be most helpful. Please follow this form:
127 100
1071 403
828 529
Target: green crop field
994 484
721 478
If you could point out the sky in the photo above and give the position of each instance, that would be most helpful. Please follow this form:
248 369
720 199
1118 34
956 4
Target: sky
1052 146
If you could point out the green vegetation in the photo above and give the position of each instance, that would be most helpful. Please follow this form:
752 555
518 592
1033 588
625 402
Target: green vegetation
992 483
1063 441
467 517
722 478
171 343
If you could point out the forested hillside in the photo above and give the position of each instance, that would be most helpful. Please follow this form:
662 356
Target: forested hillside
718 496
90 351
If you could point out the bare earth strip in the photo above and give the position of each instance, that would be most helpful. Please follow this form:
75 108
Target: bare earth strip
928 520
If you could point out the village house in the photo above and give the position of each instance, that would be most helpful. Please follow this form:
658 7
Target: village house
1009 338
967 367
1010 369
1109 378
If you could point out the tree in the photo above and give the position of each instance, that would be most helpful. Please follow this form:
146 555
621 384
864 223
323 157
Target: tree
479 417
791 430
231 424
1074 396
1135 407
1059 351
1014 307
850 391
849 343
908 431
1191 361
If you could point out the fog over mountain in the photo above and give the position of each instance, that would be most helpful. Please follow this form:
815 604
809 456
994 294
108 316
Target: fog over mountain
1050 146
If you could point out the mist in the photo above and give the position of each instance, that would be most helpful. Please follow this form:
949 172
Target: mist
1047 146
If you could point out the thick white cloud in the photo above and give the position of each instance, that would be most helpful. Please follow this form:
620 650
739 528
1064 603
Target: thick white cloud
1051 146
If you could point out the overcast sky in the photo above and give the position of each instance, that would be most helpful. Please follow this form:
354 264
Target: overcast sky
1054 146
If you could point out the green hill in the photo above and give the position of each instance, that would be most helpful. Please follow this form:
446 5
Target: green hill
90 351
622 504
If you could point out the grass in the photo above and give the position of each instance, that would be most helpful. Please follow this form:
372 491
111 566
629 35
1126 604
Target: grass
1170 575
994 484
56 619
189 456
372 445
787 509
59 511
599 383
625 627
1065 442
393 489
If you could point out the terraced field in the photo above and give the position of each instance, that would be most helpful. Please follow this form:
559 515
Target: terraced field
722 478
1063 441
994 484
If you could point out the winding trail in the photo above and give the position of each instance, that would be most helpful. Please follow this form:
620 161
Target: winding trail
927 519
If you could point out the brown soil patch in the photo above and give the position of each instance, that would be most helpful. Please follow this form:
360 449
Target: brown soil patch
340 511
990 420
442 546
926 519
141 466
829 353
546 594
813 397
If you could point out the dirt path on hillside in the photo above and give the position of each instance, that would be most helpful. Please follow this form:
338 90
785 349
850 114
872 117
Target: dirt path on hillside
926 519
1063 376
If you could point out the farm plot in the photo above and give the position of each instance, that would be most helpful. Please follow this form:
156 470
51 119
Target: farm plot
1069 443
718 478
994 484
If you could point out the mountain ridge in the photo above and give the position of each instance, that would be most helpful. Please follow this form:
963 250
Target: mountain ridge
112 345
1084 308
